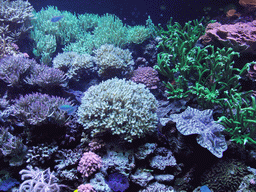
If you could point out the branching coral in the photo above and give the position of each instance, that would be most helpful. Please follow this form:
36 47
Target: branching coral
46 77
121 107
113 61
37 108
74 65
14 68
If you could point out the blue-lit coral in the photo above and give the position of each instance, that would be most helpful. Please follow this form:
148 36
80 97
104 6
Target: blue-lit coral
7 184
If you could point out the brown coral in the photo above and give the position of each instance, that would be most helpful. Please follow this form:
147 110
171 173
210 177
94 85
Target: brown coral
250 5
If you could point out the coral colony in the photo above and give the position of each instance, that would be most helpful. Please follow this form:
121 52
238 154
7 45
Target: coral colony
89 103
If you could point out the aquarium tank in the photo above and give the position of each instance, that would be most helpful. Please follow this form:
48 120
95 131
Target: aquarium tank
127 96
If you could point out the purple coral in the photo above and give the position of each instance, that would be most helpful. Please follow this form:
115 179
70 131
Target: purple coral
147 76
89 163
12 68
45 76
38 108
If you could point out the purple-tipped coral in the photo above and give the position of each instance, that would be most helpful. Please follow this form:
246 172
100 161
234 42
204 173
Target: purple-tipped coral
37 108
12 68
46 77
86 188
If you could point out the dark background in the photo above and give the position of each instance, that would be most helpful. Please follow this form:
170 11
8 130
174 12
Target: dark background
135 12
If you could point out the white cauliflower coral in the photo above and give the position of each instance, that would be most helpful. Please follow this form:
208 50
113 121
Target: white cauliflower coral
119 106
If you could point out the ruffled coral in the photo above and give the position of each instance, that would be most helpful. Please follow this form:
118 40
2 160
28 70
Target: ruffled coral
193 121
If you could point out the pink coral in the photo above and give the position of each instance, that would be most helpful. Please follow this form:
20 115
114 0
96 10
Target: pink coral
89 163
240 36
147 76
86 188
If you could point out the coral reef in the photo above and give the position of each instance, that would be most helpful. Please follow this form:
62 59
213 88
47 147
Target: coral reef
162 159
99 183
141 177
11 148
144 150
118 159
122 107
156 187
40 154
16 15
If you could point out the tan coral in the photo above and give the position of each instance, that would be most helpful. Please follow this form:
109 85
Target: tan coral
250 5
